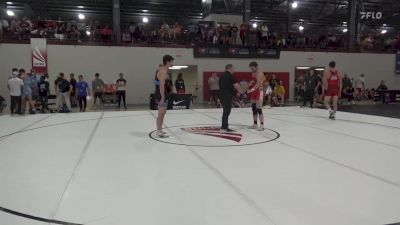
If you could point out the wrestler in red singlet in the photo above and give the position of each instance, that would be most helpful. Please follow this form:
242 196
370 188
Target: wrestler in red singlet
333 83
256 96
333 87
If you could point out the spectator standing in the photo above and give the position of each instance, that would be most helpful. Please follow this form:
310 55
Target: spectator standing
59 103
72 81
83 92
319 88
106 33
46 77
165 32
1 30
3 104
6 24
27 91
97 87
132 31
264 34
180 84
168 85
382 87
244 30
14 71
213 83
15 85
177 30
44 92
360 87
35 87
234 34
121 90
310 83
65 90
360 83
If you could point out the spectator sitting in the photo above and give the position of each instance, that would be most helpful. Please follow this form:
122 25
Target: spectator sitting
279 94
382 86
346 81
244 85
348 93
369 94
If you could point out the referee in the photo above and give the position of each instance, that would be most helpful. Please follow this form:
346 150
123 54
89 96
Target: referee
227 85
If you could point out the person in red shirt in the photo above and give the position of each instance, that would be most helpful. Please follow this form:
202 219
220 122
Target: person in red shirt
106 33
332 87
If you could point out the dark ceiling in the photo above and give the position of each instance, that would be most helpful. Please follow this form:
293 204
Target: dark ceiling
312 13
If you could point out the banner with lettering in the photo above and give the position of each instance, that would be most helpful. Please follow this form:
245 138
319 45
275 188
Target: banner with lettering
39 55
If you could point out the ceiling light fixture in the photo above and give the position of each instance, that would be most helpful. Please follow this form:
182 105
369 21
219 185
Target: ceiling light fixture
10 13
303 67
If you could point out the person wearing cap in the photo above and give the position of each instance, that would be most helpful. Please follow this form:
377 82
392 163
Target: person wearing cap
15 85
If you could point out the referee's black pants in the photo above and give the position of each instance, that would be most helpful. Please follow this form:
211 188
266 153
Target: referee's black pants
226 100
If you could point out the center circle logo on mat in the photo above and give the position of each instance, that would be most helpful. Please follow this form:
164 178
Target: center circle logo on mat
209 135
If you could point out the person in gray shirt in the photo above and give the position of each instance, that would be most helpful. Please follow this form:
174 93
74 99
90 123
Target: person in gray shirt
97 87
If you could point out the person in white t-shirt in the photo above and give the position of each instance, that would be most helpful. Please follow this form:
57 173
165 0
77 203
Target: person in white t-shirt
360 87
213 82
15 85
264 34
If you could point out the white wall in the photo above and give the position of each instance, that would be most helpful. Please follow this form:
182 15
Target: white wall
139 65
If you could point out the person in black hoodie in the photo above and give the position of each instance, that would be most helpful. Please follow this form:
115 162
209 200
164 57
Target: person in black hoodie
44 92
180 84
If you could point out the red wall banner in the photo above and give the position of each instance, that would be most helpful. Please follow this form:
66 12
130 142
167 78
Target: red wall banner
39 55
283 76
